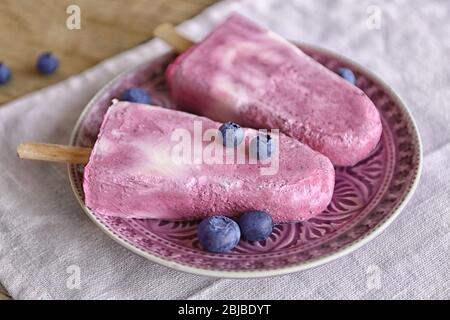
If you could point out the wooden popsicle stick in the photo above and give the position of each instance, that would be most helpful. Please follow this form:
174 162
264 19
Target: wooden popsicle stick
169 34
53 152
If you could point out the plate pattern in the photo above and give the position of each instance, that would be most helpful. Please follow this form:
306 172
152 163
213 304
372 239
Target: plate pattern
365 196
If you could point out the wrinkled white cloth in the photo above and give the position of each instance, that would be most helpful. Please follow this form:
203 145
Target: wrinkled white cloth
44 234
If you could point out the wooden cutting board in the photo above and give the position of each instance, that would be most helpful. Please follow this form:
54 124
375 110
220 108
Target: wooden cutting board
28 28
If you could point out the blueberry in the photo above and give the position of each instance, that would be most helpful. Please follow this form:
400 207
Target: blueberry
47 63
256 225
137 95
5 73
262 147
232 134
347 74
218 234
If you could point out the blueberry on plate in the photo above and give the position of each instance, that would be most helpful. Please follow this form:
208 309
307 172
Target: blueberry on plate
47 63
256 225
347 74
218 234
5 73
262 147
137 95
232 134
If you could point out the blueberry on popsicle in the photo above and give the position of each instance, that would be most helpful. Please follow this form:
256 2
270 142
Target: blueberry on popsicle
231 133
262 147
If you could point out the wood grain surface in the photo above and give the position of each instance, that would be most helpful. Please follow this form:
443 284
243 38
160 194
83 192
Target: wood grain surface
30 27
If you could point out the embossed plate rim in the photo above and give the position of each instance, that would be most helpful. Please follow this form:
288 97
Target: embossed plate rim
354 245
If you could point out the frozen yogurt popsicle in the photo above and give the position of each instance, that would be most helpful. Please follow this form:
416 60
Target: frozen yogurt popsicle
132 174
244 73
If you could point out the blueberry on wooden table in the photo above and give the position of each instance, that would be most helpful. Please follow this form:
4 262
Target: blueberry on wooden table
47 63
5 73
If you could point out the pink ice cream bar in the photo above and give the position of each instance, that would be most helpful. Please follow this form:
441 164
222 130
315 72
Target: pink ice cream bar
132 171
244 73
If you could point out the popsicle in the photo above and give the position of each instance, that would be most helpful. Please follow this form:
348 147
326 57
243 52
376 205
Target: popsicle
132 172
244 73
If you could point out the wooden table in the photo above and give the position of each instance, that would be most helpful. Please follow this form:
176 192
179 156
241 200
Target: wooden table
28 28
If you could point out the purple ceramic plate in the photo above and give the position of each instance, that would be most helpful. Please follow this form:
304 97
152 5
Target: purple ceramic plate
367 196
